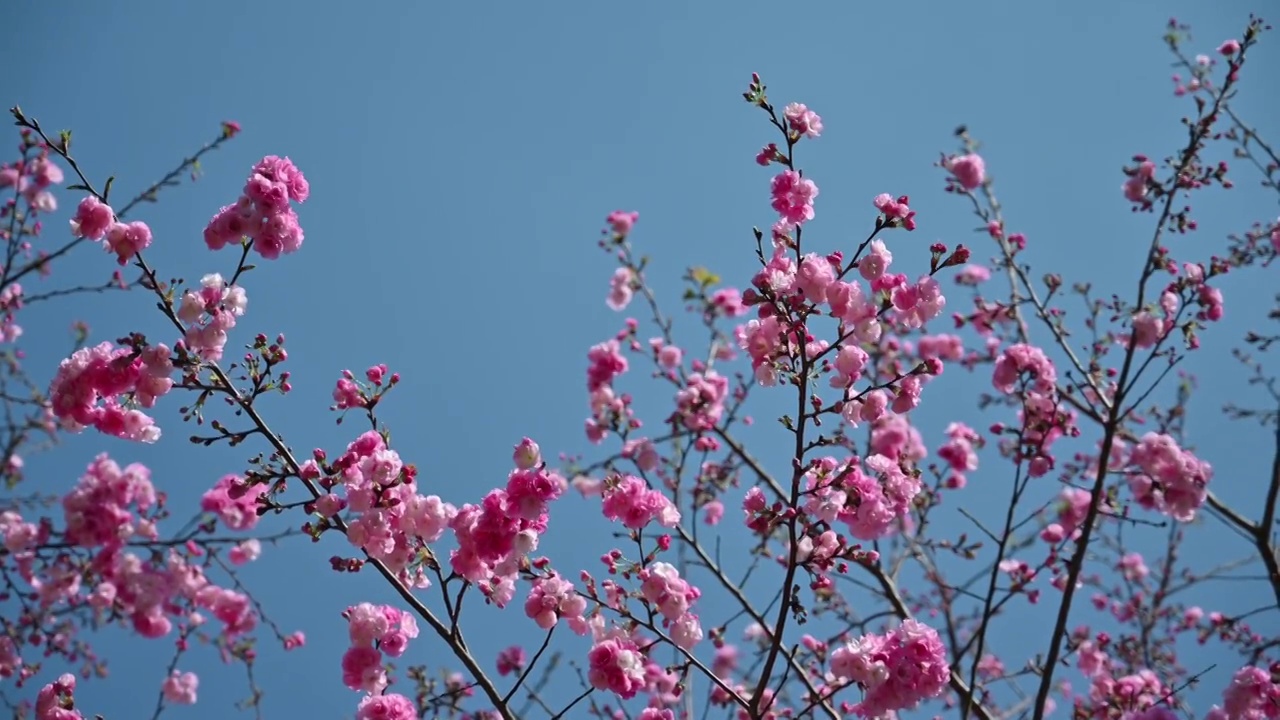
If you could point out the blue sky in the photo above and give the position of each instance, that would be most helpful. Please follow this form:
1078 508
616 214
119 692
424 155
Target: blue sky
462 159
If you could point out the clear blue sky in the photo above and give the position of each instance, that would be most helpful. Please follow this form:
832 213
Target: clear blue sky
462 159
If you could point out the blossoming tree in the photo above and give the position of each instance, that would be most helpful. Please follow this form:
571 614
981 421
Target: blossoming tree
842 599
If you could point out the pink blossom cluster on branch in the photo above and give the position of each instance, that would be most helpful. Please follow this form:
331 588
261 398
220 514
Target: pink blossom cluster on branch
857 601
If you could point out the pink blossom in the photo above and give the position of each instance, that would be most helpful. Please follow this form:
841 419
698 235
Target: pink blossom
700 403
793 196
686 631
764 341
386 707
362 669
1252 695
55 701
234 502
896 212
94 385
606 363
1170 480
1024 359
127 240
1136 187
97 510
898 671
527 455
617 666
621 222
1147 329
511 660
92 219
661 585
262 213
180 687
245 552
883 496
44 172
972 275
629 501
553 598
669 356
876 262
620 289
804 122
960 453
814 276
712 512
970 170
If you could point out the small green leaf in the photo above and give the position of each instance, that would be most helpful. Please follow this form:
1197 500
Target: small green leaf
106 189
78 187
705 277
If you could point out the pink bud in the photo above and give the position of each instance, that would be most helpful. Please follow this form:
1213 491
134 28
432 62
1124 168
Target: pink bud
527 454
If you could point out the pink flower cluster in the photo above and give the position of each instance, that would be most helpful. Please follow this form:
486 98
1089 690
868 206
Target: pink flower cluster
793 196
97 508
553 598
1073 509
627 499
766 343
803 121
33 179
511 660
96 220
1170 479
391 706
89 386
180 688
617 666
817 279
969 170
814 279
374 630
673 596
621 222
897 671
1043 419
11 301
56 700
1136 187
99 513
960 453
394 522
17 535
1149 328
1210 300
608 409
351 393
869 503
896 212
496 535
1135 693
234 502
1252 695
209 314
147 593
1022 359
263 213
700 403
621 289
